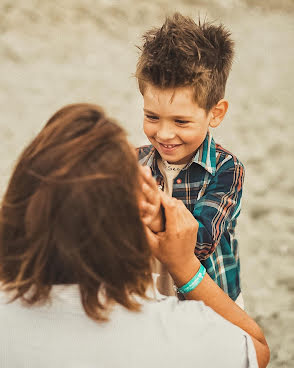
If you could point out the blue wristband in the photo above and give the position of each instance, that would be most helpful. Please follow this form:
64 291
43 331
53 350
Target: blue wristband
194 282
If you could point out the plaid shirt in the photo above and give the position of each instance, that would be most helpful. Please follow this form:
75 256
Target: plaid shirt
211 188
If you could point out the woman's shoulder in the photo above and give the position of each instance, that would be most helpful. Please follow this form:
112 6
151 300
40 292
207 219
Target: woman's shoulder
183 311
199 327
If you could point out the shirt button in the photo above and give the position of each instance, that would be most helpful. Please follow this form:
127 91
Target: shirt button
179 181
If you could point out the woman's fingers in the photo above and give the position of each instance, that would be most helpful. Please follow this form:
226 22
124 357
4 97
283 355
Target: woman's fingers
177 216
170 206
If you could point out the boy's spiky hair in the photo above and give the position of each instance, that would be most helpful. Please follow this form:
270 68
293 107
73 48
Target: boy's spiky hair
183 53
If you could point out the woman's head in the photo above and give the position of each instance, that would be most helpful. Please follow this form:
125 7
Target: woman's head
70 214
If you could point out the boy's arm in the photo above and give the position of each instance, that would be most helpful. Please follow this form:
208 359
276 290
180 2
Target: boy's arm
219 206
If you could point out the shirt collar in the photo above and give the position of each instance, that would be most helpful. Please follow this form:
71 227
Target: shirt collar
150 159
205 156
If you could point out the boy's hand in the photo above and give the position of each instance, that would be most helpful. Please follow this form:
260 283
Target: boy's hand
150 202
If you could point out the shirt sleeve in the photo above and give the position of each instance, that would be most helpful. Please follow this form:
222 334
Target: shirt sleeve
219 206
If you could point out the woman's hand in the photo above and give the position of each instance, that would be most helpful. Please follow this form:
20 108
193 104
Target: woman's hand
150 202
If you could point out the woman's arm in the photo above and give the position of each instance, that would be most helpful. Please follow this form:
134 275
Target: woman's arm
175 248
213 296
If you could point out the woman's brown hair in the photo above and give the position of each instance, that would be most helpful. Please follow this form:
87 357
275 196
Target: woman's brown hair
70 215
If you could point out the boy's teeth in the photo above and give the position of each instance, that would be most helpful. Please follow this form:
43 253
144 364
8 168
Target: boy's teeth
169 145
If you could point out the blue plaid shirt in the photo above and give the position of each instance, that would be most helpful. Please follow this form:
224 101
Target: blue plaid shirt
211 188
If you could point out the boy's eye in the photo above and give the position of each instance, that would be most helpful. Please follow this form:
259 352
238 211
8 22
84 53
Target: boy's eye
152 117
181 121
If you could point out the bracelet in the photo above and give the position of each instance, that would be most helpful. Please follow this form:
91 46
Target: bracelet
194 282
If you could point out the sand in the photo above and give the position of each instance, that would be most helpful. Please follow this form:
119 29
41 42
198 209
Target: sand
53 54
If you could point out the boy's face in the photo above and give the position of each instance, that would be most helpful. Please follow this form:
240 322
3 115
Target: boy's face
174 124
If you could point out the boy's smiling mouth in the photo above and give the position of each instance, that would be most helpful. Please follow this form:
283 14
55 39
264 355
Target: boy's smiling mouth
168 147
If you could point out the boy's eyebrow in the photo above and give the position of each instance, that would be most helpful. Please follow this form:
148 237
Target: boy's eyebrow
180 117
150 112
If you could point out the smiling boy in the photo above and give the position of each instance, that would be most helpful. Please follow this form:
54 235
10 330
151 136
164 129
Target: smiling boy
182 73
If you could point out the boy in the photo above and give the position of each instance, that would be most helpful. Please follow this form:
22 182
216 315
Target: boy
182 73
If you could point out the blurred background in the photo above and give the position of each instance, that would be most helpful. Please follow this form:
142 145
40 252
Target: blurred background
59 52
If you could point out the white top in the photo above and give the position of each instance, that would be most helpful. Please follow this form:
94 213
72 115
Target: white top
169 173
166 333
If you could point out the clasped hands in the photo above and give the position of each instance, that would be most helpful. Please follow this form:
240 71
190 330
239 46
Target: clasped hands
172 236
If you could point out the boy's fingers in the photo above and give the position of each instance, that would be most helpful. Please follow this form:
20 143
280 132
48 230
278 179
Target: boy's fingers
146 206
145 170
149 186
149 192
152 240
147 219
147 176
147 210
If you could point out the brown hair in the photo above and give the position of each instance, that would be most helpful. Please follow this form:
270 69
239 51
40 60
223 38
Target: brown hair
182 53
70 215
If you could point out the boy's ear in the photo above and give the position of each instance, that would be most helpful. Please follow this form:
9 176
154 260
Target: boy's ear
218 112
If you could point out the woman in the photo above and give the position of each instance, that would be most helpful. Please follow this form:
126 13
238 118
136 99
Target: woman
75 262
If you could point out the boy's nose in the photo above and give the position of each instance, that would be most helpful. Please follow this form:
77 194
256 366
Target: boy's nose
165 133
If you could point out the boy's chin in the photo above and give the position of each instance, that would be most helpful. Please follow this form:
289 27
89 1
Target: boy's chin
177 160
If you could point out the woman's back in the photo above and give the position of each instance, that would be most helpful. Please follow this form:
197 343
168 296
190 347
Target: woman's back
72 215
166 333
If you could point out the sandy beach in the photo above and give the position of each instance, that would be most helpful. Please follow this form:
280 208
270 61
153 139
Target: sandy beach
53 54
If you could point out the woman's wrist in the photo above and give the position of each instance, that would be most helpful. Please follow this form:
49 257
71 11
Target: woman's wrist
183 272
194 282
